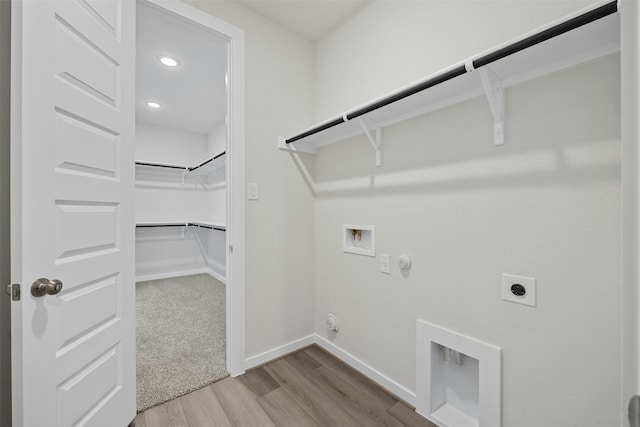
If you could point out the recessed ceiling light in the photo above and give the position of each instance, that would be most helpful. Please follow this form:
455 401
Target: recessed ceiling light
153 104
169 62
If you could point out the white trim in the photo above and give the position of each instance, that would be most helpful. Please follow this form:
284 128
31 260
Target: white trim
217 276
235 171
283 350
172 274
368 371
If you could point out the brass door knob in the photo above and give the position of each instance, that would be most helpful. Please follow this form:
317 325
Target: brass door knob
42 287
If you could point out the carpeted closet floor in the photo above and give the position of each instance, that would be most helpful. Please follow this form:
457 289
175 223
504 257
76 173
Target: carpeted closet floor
180 337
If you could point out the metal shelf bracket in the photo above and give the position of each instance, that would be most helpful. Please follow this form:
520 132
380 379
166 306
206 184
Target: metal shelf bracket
376 142
492 85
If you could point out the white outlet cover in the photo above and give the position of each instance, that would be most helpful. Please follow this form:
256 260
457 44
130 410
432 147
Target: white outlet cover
253 191
529 283
385 263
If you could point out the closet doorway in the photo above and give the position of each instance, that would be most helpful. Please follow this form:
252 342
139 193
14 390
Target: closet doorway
186 138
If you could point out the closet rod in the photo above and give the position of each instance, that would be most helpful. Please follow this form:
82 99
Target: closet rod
549 33
158 165
209 227
451 74
207 161
159 225
316 129
188 224
571 24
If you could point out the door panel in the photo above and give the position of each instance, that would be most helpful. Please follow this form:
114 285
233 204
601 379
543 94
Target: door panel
76 181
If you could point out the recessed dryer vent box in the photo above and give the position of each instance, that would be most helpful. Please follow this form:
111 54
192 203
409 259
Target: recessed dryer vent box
359 239
458 380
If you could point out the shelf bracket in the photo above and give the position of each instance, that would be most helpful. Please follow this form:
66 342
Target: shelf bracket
184 174
282 145
376 142
495 96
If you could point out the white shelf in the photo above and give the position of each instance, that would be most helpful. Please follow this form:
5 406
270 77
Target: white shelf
162 224
206 167
578 38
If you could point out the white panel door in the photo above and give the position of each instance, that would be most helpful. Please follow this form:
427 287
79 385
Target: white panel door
72 212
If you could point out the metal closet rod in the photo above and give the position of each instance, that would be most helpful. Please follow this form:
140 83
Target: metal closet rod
525 43
187 224
157 165
187 168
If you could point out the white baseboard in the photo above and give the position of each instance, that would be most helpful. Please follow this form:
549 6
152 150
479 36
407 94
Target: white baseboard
173 274
217 276
267 356
381 379
376 376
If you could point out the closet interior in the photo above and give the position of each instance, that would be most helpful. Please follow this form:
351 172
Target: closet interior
180 197
181 140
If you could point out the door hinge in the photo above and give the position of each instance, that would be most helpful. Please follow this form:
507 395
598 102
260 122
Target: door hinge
13 291
230 248
634 411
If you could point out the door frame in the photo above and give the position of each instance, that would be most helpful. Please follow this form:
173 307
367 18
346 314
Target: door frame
630 128
235 326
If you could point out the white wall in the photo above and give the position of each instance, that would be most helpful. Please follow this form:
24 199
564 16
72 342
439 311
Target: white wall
169 252
630 45
393 43
217 140
5 308
545 205
161 197
168 145
279 68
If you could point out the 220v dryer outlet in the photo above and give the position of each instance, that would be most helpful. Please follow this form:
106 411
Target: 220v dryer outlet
519 289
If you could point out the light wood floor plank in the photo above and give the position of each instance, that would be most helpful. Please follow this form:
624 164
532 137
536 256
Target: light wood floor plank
320 407
284 411
157 416
302 362
355 378
258 381
310 388
138 421
409 417
175 414
364 406
203 409
240 404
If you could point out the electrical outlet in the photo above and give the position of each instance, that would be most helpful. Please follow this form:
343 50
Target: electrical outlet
519 289
385 262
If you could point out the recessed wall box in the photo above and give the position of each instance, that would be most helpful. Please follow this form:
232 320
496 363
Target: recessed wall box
458 380
359 239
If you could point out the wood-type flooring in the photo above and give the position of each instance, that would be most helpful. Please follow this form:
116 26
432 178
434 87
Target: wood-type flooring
306 388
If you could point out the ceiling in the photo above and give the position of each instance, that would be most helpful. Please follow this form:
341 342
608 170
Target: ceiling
312 19
193 94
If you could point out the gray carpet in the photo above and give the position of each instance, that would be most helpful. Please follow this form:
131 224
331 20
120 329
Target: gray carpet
180 337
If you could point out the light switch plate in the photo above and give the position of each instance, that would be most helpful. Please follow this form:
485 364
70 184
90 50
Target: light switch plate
385 262
253 191
529 285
